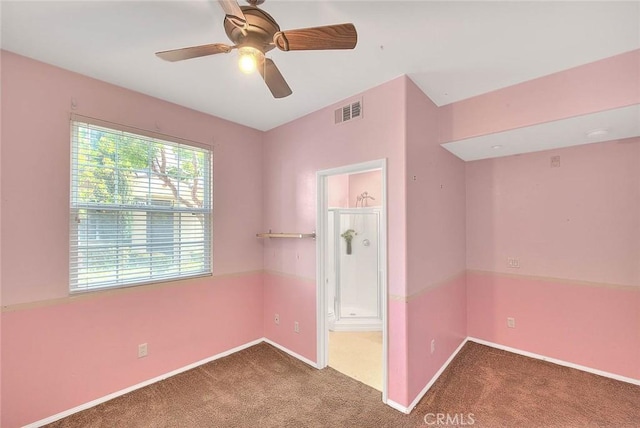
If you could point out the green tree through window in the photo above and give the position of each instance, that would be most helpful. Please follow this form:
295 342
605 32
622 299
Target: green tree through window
141 208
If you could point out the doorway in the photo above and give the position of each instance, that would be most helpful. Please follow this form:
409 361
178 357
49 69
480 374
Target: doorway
352 272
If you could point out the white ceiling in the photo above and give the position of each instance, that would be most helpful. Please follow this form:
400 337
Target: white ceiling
452 50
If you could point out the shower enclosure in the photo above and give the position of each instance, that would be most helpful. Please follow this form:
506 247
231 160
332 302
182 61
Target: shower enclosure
353 274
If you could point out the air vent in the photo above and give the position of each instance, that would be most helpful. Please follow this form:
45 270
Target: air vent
349 112
346 113
356 109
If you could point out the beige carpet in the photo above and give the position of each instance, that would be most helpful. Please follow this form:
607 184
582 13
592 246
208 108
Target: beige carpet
264 387
357 354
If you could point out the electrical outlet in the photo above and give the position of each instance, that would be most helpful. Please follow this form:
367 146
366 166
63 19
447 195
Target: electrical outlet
276 319
511 322
143 350
513 262
296 327
433 346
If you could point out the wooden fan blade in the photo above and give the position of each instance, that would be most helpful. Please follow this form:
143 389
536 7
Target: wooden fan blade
274 80
341 36
233 11
194 52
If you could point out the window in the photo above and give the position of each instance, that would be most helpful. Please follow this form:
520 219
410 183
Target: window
140 207
160 230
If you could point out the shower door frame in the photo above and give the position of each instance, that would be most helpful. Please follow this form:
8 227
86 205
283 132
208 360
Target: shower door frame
322 295
338 279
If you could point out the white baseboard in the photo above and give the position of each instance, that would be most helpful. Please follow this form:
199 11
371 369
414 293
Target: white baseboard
555 361
113 395
435 377
398 407
164 376
415 402
429 384
290 352
390 403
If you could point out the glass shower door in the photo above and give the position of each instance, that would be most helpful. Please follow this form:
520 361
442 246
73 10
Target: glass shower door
358 272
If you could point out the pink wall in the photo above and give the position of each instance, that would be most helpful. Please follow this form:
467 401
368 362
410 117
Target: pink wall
567 225
338 191
438 313
295 151
1 108
42 94
595 325
292 155
293 299
601 85
435 183
344 189
370 182
398 357
438 221
576 232
436 306
59 356
100 334
579 221
574 229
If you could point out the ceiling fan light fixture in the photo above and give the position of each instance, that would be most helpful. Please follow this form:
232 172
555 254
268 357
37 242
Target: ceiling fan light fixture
249 58
254 32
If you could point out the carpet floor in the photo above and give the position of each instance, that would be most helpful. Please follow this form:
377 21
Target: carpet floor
264 387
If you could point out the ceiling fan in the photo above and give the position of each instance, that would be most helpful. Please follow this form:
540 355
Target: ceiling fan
254 32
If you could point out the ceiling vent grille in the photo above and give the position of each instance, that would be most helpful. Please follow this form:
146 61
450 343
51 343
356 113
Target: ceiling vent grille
348 112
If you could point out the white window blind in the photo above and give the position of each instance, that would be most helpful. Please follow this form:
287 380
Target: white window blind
140 207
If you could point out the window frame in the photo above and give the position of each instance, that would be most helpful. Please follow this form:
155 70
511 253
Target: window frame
75 206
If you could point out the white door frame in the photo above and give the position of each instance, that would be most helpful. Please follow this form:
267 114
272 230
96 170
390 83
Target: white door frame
322 308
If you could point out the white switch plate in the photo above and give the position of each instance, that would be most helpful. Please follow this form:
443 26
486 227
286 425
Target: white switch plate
276 319
511 322
296 327
433 346
143 350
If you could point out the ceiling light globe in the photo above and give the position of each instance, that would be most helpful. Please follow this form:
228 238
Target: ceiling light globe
247 64
248 61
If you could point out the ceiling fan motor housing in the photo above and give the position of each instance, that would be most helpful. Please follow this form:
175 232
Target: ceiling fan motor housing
259 33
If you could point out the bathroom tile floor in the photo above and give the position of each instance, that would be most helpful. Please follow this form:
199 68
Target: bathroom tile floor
357 354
